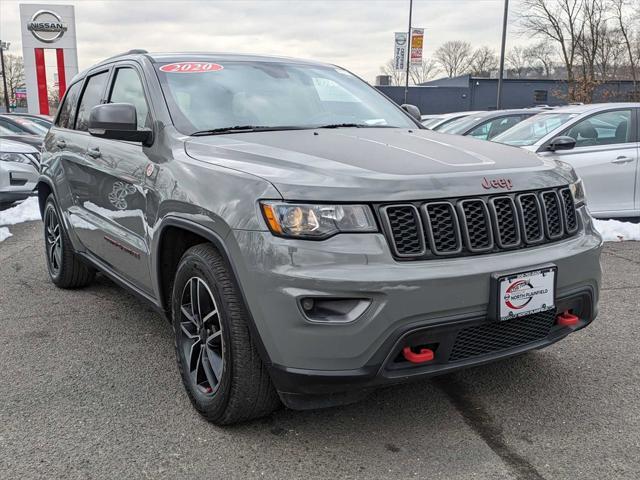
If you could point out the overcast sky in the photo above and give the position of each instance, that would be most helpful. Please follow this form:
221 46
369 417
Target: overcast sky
356 34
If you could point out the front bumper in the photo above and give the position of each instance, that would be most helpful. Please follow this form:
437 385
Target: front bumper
409 298
17 181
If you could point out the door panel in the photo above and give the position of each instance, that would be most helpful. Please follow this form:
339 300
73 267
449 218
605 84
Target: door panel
606 158
608 173
118 204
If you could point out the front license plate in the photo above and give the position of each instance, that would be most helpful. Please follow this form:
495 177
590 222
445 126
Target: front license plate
526 293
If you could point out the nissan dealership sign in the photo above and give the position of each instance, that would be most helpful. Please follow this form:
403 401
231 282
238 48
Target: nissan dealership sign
53 28
47 26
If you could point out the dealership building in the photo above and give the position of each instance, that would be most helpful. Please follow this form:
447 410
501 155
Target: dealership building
47 28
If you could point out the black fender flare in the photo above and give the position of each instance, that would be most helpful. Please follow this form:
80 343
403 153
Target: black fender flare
218 242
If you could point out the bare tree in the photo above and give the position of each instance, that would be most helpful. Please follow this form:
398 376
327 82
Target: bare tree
559 21
542 57
454 57
483 61
14 70
423 72
619 9
611 56
397 76
517 61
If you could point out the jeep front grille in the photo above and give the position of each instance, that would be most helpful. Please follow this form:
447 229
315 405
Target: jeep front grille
471 226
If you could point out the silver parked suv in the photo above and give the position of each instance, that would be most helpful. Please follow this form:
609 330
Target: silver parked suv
308 239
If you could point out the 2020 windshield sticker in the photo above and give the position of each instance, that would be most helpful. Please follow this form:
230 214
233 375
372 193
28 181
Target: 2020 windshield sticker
191 67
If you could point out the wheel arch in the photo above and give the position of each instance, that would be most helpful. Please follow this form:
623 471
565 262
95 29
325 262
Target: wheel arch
44 190
182 233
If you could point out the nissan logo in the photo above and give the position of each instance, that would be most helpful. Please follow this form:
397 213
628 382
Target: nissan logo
47 26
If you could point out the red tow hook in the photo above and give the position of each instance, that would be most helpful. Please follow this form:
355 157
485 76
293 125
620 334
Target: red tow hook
567 319
425 355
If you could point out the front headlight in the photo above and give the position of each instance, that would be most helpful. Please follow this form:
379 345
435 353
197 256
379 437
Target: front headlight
14 157
577 190
298 220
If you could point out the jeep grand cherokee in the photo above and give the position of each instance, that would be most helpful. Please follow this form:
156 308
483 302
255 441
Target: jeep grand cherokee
308 239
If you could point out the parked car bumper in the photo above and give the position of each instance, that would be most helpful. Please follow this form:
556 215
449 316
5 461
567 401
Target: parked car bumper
17 181
423 302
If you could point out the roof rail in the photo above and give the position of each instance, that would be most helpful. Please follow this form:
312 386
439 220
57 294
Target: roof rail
129 52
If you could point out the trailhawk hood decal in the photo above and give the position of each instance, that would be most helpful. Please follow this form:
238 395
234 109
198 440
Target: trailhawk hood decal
373 164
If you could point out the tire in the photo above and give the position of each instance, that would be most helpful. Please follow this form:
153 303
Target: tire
65 268
220 367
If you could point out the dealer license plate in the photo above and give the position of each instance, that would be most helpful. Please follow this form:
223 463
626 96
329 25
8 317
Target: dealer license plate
526 293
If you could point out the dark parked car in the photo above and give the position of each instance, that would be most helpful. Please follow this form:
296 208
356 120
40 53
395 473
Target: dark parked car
44 121
307 238
22 130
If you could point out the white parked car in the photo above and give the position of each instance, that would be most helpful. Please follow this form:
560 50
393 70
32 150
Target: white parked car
19 170
600 141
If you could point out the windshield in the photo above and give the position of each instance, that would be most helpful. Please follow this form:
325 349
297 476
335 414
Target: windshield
533 129
448 121
272 95
31 125
461 125
429 122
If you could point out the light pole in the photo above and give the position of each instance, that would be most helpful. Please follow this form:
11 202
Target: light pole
406 80
4 46
502 48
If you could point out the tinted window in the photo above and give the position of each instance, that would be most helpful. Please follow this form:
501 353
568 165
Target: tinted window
127 88
91 97
68 109
605 128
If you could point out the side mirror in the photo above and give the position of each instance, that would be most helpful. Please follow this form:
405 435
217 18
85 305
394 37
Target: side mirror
561 143
117 121
412 110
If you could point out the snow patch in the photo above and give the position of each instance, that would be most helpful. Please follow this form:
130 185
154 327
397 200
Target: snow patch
26 211
4 233
617 231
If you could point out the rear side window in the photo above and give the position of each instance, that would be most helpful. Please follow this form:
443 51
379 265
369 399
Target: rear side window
127 88
91 97
67 115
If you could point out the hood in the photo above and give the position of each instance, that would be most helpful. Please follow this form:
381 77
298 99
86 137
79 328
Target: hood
7 145
35 141
374 164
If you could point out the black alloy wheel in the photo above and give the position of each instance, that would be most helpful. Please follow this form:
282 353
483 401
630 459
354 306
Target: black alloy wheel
53 240
202 342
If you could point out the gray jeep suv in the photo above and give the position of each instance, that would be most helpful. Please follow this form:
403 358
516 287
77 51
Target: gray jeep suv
308 239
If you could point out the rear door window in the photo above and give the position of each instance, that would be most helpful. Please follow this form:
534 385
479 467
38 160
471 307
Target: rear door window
92 96
67 115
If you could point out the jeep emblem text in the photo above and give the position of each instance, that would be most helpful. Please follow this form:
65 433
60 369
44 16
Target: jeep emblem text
497 183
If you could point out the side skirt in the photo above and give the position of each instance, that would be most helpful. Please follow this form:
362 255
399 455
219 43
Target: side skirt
109 272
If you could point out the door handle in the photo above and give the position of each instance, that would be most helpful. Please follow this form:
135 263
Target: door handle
94 152
61 143
622 159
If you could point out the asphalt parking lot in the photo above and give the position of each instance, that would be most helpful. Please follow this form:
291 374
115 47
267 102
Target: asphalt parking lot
89 389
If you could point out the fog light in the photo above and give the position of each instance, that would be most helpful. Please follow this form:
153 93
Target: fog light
333 310
307 304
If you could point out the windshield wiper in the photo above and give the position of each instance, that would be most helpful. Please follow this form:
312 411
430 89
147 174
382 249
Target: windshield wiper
344 125
242 129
